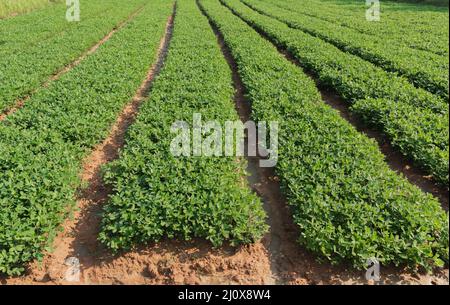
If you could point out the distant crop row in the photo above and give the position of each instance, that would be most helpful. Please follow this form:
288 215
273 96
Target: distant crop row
419 133
42 146
422 28
11 7
347 202
16 30
159 195
23 32
27 63
423 69
356 79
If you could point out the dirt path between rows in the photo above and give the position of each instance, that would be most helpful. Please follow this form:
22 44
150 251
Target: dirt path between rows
396 160
276 259
166 262
57 74
290 262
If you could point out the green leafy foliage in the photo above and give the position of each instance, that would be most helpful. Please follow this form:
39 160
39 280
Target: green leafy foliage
423 69
158 195
347 202
356 79
11 7
420 133
43 144
416 26
32 49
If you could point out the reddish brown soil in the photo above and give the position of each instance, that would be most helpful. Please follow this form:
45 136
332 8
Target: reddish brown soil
396 161
21 102
291 263
174 262
276 259
393 157
15 14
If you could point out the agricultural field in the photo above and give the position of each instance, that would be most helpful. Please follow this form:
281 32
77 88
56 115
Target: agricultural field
10 8
223 142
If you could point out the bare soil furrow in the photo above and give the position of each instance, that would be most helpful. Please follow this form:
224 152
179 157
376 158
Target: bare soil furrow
395 159
21 102
165 262
291 263
79 238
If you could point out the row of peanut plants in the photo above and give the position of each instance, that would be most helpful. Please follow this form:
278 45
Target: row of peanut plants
27 63
424 140
159 195
423 69
347 202
417 26
43 145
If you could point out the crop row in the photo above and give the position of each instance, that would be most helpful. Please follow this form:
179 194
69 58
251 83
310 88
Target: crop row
12 30
22 32
24 67
43 145
157 194
423 69
10 7
347 202
355 79
417 27
420 134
